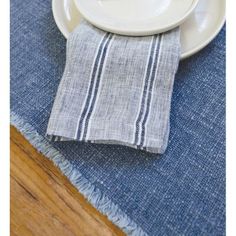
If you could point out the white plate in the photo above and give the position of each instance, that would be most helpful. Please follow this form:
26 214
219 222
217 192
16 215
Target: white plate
136 17
196 32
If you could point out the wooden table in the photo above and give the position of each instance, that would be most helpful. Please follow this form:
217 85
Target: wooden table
43 201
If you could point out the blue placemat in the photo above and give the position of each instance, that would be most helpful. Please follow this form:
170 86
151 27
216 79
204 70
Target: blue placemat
179 193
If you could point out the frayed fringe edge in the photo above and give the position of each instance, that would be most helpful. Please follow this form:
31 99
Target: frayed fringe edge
93 194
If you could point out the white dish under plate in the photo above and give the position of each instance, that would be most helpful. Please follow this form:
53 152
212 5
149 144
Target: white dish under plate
136 17
196 32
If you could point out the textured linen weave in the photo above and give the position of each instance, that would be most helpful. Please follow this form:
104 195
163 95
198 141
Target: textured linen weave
116 89
182 192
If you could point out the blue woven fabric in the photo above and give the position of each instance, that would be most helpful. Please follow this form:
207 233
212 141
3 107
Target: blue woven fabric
179 193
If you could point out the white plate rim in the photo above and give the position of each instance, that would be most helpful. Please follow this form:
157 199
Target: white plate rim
150 31
184 55
205 43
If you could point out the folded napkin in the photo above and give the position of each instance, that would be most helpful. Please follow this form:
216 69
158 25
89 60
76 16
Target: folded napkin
116 89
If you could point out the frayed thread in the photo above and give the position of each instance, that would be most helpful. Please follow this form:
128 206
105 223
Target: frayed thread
90 192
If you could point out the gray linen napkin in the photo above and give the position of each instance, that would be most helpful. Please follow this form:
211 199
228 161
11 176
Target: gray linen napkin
116 89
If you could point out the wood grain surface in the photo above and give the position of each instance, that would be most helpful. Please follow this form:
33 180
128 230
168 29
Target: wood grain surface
43 201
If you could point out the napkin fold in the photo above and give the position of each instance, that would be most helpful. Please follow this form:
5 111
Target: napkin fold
116 89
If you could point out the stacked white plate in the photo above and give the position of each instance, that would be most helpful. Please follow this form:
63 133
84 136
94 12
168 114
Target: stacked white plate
200 20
